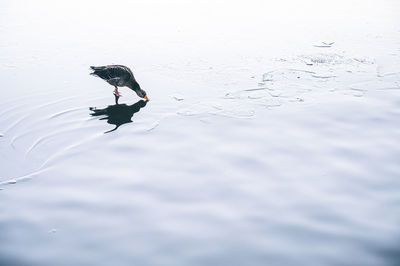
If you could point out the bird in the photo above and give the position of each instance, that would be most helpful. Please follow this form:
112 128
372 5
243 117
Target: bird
119 76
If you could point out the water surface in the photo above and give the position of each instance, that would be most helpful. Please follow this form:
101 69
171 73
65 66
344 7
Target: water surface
271 136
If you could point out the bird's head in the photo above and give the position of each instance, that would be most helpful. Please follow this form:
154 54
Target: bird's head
142 94
136 87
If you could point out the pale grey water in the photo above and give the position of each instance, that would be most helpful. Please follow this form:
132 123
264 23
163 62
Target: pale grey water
261 144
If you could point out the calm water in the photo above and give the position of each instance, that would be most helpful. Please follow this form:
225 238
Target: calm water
271 136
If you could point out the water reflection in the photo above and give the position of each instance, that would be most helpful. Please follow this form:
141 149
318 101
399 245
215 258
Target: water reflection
118 114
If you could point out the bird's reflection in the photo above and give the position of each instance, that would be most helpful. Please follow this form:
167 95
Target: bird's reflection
118 114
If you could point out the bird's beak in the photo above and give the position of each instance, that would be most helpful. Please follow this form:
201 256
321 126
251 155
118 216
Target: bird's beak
146 98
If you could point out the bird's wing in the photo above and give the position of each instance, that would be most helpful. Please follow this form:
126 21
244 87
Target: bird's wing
123 71
111 72
114 81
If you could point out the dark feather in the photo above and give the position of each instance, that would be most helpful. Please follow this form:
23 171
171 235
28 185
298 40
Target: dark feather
118 76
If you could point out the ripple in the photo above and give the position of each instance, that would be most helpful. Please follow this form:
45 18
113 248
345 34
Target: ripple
61 113
31 113
13 181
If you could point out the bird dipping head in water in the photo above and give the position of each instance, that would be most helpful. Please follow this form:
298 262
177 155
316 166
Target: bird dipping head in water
119 76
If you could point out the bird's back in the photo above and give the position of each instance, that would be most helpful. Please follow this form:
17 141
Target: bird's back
113 72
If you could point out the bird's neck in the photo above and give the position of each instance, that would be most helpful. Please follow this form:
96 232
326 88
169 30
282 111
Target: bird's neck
133 85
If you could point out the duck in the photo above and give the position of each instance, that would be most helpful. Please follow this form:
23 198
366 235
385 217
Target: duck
119 76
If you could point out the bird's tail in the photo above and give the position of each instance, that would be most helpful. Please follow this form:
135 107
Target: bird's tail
96 68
